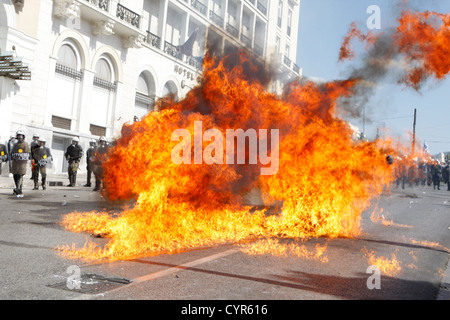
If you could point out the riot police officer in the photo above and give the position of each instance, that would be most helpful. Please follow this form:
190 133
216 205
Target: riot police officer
33 145
3 155
20 154
73 155
90 153
100 157
42 157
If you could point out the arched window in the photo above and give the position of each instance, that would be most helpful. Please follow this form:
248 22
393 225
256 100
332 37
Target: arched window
103 70
103 93
170 89
66 86
145 95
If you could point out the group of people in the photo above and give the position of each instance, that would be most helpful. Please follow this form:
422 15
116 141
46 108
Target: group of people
18 152
423 173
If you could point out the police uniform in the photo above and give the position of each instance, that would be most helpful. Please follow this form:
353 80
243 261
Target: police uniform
90 153
20 154
33 145
3 156
73 155
42 157
100 157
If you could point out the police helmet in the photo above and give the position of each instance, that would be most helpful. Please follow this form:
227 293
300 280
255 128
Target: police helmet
42 140
76 139
20 133
103 139
35 135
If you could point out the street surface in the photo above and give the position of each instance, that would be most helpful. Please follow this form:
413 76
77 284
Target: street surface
413 227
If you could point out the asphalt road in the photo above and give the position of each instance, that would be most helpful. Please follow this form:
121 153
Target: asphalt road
414 227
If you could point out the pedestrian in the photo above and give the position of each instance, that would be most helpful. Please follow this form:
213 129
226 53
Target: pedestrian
20 154
42 157
73 155
3 155
90 153
99 160
436 175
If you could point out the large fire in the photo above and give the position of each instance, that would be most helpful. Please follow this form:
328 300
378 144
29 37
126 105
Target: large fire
324 180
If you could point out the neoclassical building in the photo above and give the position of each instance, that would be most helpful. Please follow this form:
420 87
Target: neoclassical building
85 67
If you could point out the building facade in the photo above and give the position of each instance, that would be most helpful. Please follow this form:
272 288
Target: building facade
85 67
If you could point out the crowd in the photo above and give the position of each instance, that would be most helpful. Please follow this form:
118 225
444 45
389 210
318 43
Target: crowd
17 152
428 173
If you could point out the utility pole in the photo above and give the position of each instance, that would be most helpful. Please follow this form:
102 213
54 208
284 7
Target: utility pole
414 133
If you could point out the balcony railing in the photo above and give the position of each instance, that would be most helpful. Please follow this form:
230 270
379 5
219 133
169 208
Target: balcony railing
232 30
125 14
102 4
216 18
153 40
258 50
200 7
190 60
246 40
172 50
287 61
296 68
261 8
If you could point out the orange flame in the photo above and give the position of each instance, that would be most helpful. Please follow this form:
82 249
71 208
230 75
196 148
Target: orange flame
324 181
422 39
390 267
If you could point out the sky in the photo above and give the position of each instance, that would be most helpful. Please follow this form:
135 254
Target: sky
323 25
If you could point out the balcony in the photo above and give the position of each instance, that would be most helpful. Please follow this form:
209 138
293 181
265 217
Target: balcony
287 62
258 50
106 17
172 50
153 40
216 18
101 4
232 30
128 16
285 66
261 8
246 41
200 7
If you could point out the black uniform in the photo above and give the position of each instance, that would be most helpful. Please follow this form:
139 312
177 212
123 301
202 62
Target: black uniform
73 155
90 154
100 157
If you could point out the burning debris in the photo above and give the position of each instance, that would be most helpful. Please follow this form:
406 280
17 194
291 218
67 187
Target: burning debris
180 205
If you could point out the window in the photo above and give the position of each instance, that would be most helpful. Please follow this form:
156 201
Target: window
67 56
145 96
104 77
289 22
67 64
280 13
102 96
65 97
278 44
103 70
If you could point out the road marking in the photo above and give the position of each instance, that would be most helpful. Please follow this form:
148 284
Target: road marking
183 266
170 271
